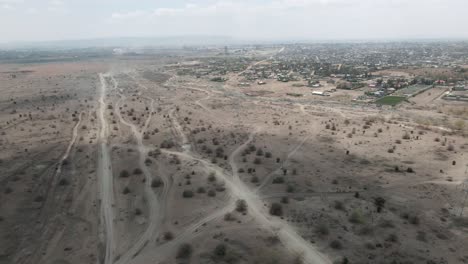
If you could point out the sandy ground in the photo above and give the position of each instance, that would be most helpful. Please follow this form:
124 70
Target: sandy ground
128 162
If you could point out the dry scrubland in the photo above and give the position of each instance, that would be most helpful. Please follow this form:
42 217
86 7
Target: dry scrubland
127 162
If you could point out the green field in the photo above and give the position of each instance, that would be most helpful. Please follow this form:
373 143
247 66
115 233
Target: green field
390 100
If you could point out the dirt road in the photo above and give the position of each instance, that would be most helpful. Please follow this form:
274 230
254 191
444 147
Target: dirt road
236 189
105 177
70 145
154 208
288 236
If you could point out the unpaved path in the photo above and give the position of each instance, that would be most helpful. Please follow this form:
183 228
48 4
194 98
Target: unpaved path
105 177
269 177
288 236
70 145
154 205
179 132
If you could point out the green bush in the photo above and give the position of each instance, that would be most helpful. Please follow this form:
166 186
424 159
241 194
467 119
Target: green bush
188 194
356 218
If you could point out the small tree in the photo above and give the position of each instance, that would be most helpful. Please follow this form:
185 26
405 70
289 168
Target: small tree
155 183
322 229
276 209
241 206
339 205
220 250
228 217
188 194
406 136
336 244
124 174
356 218
278 180
168 236
379 202
212 177
184 251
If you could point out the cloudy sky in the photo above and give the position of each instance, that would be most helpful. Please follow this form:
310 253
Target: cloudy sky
38 20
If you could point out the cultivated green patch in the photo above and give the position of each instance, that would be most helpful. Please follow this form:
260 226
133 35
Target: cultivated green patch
390 100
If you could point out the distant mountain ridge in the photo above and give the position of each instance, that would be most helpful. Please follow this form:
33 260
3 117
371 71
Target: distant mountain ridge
168 41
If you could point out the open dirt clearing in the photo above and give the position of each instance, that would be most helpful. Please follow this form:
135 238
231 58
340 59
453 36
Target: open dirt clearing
130 162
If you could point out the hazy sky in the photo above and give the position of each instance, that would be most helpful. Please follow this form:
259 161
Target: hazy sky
246 19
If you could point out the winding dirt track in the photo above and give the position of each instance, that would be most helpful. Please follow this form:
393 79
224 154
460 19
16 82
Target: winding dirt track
236 190
269 177
70 145
291 240
155 208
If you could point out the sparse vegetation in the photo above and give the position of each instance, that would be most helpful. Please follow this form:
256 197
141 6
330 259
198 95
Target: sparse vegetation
204 164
